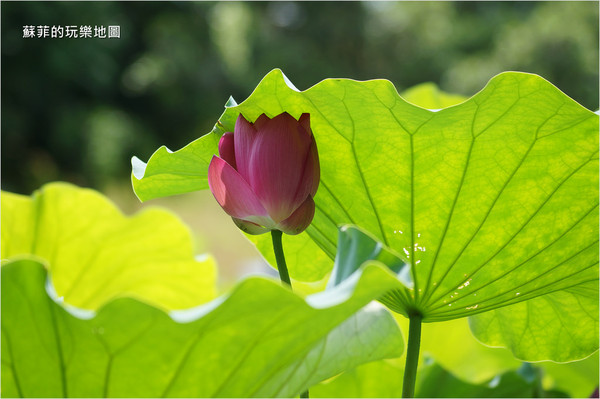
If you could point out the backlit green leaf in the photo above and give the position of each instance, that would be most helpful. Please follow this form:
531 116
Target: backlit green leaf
260 340
491 202
560 326
95 253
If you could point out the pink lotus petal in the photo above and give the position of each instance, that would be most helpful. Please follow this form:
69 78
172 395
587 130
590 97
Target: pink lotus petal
277 164
249 227
233 193
260 121
313 168
309 182
305 123
245 134
226 149
300 219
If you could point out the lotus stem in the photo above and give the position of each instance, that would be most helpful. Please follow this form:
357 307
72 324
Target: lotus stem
412 355
284 276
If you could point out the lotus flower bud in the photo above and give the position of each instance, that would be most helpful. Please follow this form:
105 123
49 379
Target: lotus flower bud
267 174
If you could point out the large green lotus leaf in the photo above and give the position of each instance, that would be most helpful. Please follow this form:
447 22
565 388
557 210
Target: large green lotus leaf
561 326
94 253
489 198
492 202
260 340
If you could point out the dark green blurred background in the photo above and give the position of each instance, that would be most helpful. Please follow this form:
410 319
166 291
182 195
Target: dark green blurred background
78 109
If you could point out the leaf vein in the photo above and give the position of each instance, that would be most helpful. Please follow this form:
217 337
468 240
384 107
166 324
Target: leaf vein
532 216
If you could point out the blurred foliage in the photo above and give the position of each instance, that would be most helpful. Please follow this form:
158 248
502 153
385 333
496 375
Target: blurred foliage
78 109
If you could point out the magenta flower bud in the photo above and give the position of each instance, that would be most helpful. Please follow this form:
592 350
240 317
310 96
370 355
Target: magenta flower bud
267 174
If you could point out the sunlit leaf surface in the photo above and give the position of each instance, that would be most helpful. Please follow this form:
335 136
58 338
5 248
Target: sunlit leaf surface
261 340
560 326
491 202
95 253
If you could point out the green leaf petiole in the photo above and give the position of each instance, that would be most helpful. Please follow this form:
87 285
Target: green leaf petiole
284 276
412 355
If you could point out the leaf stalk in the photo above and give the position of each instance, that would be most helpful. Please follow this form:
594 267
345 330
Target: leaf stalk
284 275
412 355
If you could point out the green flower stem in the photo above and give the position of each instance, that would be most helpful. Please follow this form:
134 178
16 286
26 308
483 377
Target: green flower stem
278 249
284 276
412 356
